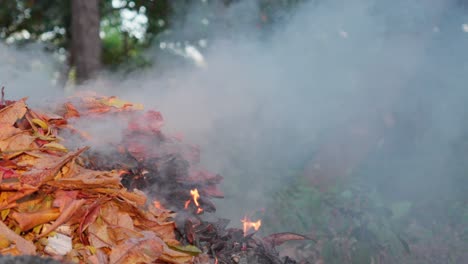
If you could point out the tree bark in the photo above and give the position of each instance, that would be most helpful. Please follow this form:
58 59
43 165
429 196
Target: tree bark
85 40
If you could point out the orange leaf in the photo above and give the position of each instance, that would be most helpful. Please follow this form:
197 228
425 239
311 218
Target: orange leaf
8 131
86 179
90 217
65 215
9 198
27 221
10 114
138 250
40 176
98 234
70 111
176 257
24 246
16 144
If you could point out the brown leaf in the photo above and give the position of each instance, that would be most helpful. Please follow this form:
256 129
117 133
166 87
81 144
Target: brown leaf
10 114
99 235
176 257
8 131
82 178
70 111
90 217
280 238
9 198
16 186
24 246
138 250
16 144
136 198
27 221
39 176
65 215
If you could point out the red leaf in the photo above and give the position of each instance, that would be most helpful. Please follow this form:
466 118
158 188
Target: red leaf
6 173
150 122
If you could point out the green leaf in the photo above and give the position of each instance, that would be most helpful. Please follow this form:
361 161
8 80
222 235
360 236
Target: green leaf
189 249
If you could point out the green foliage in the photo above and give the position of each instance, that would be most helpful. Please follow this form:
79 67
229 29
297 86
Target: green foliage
357 225
36 18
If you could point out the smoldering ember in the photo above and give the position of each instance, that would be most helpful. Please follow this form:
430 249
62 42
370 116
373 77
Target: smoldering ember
140 201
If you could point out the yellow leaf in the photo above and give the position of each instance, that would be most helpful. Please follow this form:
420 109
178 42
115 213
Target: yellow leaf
190 249
55 146
37 229
41 123
5 213
4 242
91 249
119 103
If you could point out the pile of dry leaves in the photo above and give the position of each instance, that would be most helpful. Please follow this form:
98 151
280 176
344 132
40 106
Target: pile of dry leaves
53 204
60 198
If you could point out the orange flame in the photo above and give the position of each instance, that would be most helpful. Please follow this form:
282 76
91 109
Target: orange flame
247 224
186 204
195 196
158 205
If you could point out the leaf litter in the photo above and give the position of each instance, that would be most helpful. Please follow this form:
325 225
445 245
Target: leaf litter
78 205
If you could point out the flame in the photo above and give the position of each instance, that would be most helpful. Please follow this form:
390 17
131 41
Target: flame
247 224
195 196
158 205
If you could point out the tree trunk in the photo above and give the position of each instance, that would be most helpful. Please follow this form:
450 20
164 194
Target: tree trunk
85 40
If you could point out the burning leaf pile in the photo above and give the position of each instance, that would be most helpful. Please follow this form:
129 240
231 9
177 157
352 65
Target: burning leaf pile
63 199
52 204
233 245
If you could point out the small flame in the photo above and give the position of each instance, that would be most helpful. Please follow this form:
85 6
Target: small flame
195 196
247 224
158 205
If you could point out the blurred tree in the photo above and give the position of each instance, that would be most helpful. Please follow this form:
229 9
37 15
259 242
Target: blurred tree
85 40
127 28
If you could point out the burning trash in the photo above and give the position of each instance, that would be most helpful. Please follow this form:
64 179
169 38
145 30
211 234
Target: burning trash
138 202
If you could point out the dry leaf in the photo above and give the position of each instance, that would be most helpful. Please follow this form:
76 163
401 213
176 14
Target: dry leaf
8 131
280 238
39 176
65 215
16 144
10 114
27 221
24 246
99 235
138 250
